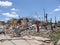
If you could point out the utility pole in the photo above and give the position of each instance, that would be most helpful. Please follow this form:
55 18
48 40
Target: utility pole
55 20
46 17
44 14
51 20
19 16
51 24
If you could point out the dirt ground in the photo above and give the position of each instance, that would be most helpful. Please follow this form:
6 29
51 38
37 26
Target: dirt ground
25 40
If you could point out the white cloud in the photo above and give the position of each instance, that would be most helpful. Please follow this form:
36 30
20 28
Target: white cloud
6 19
57 9
13 12
12 15
5 3
59 6
14 9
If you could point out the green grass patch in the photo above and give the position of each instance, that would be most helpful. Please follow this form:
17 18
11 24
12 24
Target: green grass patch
55 36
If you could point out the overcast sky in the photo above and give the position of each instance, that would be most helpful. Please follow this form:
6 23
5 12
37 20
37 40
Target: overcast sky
29 8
